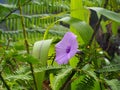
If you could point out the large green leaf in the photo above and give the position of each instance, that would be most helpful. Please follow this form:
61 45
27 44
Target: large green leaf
40 51
77 10
107 13
84 30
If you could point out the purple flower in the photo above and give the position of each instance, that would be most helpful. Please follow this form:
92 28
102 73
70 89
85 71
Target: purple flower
66 48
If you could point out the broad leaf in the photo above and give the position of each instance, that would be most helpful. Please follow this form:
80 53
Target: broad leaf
109 14
78 11
84 30
40 51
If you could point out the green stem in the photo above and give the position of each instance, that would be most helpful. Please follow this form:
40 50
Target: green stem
2 79
26 42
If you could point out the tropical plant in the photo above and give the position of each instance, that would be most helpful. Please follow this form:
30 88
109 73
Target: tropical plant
59 45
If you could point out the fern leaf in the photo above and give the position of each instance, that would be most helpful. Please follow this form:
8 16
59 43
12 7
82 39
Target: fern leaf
58 80
44 68
114 84
110 68
87 83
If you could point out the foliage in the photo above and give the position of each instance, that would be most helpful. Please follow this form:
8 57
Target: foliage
58 80
30 29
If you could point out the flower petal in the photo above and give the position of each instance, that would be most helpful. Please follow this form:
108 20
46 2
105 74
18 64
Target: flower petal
60 52
68 42
62 60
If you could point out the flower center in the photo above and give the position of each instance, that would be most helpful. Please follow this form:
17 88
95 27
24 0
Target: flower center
68 49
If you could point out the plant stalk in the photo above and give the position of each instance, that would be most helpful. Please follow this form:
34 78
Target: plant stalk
26 42
2 79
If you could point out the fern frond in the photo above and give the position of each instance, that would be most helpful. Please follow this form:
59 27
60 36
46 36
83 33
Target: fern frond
114 84
41 69
32 34
87 83
22 73
59 80
110 68
23 77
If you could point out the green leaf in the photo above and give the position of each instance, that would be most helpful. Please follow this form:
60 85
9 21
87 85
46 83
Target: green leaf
48 68
115 26
110 68
58 80
114 84
40 51
109 14
27 58
83 83
78 11
8 6
18 77
81 27
74 61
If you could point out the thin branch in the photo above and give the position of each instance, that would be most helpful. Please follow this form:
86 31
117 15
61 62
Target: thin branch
23 27
13 11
